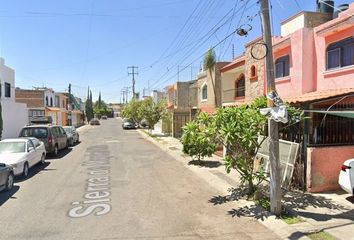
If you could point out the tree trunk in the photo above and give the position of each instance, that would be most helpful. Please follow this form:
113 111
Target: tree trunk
213 83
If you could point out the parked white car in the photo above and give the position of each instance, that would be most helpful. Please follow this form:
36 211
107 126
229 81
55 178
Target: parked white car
22 154
346 176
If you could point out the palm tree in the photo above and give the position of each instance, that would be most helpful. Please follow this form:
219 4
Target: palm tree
209 64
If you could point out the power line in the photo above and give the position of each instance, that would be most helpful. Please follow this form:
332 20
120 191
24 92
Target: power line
202 55
208 35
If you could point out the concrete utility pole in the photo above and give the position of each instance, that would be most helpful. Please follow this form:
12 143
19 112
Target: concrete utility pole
275 188
133 72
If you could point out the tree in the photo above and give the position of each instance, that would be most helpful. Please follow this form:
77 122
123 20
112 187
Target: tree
209 64
99 101
240 131
132 110
198 138
88 106
152 112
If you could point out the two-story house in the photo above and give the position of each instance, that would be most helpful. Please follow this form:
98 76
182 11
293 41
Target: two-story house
14 114
314 70
209 89
181 98
41 102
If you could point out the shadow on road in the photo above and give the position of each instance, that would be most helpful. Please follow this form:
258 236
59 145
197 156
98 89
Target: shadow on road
62 153
34 170
298 203
301 200
235 195
4 196
205 163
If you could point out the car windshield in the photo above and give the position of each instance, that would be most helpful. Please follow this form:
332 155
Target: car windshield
34 132
12 147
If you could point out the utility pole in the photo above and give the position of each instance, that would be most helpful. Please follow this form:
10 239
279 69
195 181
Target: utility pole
275 189
133 72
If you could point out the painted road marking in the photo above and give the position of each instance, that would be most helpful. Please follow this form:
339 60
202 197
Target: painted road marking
97 192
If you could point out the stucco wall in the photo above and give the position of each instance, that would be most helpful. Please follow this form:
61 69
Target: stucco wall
336 78
205 77
302 64
15 116
183 94
323 167
7 75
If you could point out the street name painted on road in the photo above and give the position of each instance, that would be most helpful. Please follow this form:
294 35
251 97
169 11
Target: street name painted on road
96 197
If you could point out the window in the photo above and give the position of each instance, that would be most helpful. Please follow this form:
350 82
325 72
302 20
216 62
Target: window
29 145
46 101
204 91
240 86
51 101
253 71
340 54
282 67
57 102
7 90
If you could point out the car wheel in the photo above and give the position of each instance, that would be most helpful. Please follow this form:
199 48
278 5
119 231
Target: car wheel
56 150
25 170
43 159
78 140
9 182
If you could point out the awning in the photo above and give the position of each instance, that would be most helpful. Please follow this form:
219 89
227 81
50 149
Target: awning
319 95
347 114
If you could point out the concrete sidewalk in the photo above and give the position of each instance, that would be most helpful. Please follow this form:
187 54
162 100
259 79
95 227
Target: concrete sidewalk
332 213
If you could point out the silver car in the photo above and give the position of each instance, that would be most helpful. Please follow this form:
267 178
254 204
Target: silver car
73 135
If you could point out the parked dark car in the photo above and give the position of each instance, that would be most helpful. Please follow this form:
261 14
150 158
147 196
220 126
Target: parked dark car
73 135
94 121
128 124
53 136
6 177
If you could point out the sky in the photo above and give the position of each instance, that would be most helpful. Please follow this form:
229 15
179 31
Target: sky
90 43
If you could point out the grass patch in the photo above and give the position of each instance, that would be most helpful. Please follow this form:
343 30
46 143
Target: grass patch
289 219
264 203
285 215
320 236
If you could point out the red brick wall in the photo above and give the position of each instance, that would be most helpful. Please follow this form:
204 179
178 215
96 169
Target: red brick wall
33 98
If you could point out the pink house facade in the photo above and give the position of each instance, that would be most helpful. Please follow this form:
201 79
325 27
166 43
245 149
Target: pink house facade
314 69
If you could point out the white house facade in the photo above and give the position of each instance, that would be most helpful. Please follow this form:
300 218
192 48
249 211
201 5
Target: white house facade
14 115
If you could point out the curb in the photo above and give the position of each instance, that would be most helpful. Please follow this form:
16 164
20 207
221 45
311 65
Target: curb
282 229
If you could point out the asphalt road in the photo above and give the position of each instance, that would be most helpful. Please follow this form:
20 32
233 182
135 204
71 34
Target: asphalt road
116 185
